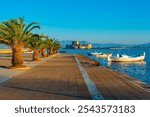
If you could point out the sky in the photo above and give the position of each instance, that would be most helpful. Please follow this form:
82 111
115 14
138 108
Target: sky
101 21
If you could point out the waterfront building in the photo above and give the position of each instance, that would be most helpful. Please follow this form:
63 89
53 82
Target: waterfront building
77 45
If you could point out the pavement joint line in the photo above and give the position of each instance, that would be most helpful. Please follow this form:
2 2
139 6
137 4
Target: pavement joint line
95 94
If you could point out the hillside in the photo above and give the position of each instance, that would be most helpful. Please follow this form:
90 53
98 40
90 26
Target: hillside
95 45
146 45
103 45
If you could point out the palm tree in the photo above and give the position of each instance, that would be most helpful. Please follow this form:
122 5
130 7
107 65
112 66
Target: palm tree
43 49
15 33
50 43
44 45
35 43
57 45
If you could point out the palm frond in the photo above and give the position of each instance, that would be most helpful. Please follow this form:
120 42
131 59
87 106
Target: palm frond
15 31
27 28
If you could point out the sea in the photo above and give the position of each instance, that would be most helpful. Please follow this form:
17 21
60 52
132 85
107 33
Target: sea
138 70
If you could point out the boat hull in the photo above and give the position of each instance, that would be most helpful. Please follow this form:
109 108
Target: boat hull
122 59
103 55
94 53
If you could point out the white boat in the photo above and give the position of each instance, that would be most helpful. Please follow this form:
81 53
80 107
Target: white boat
104 55
94 53
125 58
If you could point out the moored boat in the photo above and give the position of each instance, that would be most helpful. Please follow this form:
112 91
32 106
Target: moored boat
94 53
125 58
102 55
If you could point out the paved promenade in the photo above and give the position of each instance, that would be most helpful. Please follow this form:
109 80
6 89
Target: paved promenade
57 78
60 77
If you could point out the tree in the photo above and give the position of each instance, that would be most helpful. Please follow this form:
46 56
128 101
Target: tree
35 43
57 45
44 45
50 44
15 33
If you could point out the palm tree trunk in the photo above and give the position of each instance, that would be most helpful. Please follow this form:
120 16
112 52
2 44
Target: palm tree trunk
55 51
17 59
35 55
50 51
43 53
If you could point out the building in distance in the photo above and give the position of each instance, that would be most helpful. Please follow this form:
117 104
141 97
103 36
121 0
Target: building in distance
77 45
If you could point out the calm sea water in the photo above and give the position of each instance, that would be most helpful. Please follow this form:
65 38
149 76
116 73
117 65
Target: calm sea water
139 70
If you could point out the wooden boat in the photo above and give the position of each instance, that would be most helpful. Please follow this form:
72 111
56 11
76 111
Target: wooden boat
103 55
125 58
94 53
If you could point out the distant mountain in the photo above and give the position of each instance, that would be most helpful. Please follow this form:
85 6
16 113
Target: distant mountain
107 45
103 45
94 45
146 45
84 42
64 43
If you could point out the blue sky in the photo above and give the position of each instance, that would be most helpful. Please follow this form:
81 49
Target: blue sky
103 21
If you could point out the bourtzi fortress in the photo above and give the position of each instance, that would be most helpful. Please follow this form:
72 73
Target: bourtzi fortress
77 45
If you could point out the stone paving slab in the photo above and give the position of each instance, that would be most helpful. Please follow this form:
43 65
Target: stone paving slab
56 78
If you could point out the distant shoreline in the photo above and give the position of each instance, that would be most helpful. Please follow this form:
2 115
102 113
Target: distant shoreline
107 48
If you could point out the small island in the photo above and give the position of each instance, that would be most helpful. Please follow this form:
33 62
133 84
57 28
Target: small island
77 45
